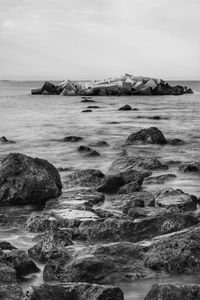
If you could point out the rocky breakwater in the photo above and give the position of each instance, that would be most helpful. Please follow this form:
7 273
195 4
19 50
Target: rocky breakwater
125 85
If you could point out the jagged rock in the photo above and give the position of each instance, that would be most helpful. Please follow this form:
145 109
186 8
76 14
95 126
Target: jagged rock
49 89
98 264
88 151
73 291
85 177
176 253
125 107
171 198
192 166
113 183
167 291
25 180
60 237
160 179
142 164
150 135
72 138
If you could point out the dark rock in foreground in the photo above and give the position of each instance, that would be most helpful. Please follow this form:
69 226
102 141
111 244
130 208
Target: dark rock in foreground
73 291
25 180
167 291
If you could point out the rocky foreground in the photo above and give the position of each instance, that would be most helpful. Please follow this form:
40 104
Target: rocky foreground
123 86
135 234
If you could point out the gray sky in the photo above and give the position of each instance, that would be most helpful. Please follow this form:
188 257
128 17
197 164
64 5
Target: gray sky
83 39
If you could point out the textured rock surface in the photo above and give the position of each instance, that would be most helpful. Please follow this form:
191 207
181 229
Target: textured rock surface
150 135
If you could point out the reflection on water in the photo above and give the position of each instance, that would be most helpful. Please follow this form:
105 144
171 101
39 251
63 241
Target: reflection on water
39 123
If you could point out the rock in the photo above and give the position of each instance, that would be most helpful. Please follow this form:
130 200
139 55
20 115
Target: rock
135 109
25 180
86 110
88 101
36 91
175 142
93 106
99 144
112 183
88 151
152 118
125 107
142 164
40 222
146 91
72 138
150 135
171 198
49 89
60 237
4 140
188 91
167 291
6 246
192 166
85 177
73 291
160 179
176 253
130 188
98 264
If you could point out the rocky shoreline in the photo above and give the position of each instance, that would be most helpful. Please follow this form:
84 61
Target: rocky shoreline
125 85
120 233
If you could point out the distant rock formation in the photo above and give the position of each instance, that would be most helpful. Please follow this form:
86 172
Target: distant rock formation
123 86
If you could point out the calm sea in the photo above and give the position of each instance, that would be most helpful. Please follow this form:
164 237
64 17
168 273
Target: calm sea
39 123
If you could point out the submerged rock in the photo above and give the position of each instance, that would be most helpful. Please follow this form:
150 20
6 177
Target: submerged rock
72 138
86 110
125 107
99 144
88 151
25 180
150 135
87 101
4 140
175 142
73 291
167 291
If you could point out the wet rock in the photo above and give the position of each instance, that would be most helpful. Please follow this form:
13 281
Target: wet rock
167 291
192 166
172 198
73 291
130 188
87 101
98 264
93 106
175 142
142 164
125 107
60 237
25 180
150 135
85 177
88 151
160 179
113 183
6 246
99 144
135 109
86 110
176 253
72 138
188 91
4 140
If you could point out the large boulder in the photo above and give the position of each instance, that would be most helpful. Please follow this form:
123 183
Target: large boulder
25 180
148 135
167 291
174 198
73 291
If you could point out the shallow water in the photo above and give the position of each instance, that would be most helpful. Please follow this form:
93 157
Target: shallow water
39 123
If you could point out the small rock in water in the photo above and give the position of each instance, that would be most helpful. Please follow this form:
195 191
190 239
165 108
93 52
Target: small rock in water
72 138
87 110
125 107
192 166
150 135
88 101
88 151
93 106
175 142
4 140
99 144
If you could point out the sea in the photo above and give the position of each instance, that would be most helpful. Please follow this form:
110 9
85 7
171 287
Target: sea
38 125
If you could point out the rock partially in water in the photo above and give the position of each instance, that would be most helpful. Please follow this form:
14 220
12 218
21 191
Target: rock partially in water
167 291
160 179
142 164
73 291
72 138
85 177
88 101
88 151
86 110
99 144
125 107
4 140
175 142
149 135
174 198
102 263
192 166
25 180
113 183
176 253
93 106
48 241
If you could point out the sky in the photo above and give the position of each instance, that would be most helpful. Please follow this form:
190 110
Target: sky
95 39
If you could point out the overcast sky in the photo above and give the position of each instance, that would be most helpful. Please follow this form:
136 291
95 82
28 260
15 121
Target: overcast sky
81 39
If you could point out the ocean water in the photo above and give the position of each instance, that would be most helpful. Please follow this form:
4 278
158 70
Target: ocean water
38 125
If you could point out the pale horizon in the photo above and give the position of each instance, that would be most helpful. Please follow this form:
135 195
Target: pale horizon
95 39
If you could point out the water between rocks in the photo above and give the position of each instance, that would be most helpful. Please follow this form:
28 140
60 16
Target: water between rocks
39 123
